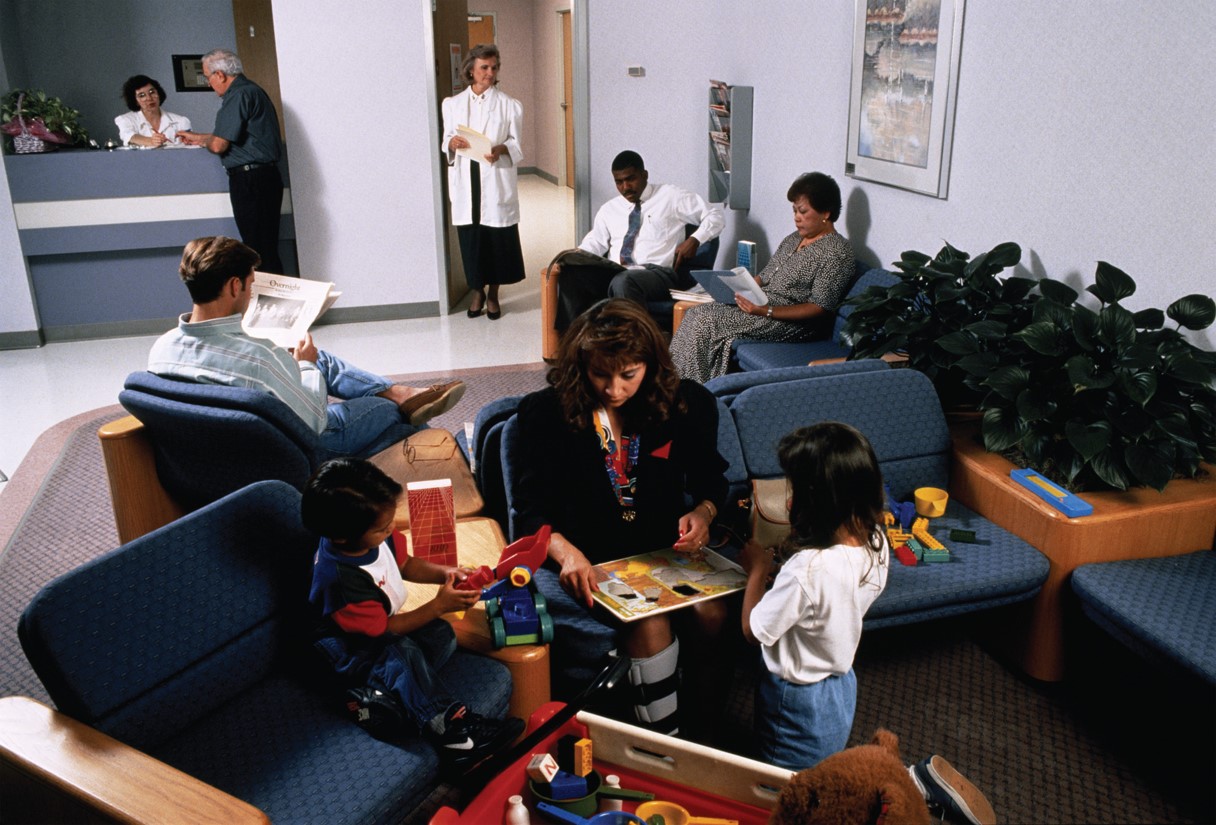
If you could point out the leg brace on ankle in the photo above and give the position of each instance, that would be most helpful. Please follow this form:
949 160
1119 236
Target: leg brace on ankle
654 682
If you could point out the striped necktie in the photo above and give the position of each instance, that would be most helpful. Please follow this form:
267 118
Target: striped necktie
631 234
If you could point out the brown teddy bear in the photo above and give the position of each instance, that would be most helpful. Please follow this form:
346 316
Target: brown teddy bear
867 785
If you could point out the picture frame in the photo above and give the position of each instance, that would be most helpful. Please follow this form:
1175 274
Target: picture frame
188 73
903 92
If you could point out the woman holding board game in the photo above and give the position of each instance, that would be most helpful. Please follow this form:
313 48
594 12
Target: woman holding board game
611 455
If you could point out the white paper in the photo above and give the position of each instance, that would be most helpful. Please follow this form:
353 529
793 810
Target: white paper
479 144
742 282
283 308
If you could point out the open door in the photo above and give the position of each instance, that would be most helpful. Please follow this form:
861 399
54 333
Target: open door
451 27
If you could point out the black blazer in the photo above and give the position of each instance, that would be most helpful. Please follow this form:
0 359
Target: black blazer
562 481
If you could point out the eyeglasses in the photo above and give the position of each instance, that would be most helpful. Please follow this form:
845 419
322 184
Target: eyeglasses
145 95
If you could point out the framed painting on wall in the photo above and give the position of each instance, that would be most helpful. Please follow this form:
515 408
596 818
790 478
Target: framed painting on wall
188 73
904 85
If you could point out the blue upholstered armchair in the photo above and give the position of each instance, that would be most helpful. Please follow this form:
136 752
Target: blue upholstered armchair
190 645
210 440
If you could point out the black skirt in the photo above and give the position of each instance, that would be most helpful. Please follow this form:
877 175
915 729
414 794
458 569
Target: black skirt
491 254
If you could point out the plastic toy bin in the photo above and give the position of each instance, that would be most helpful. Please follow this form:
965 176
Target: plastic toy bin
706 781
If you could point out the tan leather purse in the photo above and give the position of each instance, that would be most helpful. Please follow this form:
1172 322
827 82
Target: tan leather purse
770 519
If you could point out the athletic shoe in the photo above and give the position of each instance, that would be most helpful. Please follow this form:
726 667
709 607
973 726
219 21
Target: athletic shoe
375 711
949 792
469 737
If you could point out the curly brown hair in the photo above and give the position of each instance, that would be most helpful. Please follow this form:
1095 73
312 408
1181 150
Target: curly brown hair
614 333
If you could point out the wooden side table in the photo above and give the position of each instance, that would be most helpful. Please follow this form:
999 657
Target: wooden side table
480 541
425 456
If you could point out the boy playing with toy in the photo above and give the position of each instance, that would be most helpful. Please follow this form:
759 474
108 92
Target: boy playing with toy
358 583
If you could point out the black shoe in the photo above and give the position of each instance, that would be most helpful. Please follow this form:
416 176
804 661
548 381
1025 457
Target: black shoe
377 712
493 314
473 313
950 794
469 737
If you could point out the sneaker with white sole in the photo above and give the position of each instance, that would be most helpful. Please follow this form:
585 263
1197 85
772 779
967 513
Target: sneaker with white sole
950 793
469 737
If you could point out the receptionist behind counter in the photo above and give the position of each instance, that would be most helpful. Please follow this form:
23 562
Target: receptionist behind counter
146 125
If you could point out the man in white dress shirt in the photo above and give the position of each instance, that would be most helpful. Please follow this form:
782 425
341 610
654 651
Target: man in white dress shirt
643 231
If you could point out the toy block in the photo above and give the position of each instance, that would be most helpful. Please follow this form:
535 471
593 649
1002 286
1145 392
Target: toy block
542 767
921 524
432 520
905 555
935 556
565 785
1067 503
967 536
582 757
565 752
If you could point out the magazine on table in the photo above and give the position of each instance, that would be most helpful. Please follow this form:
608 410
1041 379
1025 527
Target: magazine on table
283 309
696 293
651 583
723 284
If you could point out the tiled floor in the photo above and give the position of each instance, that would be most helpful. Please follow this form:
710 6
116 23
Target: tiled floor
40 387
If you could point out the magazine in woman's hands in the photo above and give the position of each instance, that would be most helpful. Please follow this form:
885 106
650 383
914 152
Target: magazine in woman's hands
724 284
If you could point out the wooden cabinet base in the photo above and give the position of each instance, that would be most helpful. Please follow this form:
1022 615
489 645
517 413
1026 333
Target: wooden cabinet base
1140 523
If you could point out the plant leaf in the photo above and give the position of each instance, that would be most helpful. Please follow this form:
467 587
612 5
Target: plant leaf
1002 429
978 364
1088 439
1040 336
1110 469
1149 319
1116 326
1056 291
988 330
958 343
1007 382
1193 311
1151 465
1085 328
1139 387
1034 405
1111 284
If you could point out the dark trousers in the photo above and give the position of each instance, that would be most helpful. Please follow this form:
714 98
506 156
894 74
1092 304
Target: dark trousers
580 286
257 199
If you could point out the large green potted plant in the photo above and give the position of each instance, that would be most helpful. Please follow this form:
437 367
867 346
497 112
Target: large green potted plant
949 314
47 119
1105 398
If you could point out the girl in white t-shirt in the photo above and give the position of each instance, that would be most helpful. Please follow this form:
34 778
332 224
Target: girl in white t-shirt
809 623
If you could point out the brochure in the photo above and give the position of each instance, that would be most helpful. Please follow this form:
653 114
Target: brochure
723 284
651 583
283 308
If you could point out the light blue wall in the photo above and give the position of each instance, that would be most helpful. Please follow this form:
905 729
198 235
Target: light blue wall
1082 132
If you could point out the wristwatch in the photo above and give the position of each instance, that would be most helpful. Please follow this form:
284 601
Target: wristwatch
769 314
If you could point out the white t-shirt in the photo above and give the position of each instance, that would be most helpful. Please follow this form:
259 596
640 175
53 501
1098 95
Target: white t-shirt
809 623
387 576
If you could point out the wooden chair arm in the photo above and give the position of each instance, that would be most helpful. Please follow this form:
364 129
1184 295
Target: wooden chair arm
141 503
548 312
55 769
677 313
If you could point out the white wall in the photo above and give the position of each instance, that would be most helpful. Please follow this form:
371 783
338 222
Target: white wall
1081 135
360 117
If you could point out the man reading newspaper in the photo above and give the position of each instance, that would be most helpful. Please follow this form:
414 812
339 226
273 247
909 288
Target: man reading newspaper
210 346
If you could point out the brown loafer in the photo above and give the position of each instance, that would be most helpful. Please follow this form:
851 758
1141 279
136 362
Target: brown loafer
435 400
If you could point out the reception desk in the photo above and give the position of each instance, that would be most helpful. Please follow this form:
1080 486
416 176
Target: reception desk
103 231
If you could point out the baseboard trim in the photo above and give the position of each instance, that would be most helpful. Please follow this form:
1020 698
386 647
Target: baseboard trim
27 339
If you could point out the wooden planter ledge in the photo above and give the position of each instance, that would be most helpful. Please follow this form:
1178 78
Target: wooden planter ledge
1134 524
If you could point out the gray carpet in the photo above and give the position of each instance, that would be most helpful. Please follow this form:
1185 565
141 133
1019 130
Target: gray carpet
1120 742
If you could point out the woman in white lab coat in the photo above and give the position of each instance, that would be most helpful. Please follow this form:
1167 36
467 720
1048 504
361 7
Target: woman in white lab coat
485 191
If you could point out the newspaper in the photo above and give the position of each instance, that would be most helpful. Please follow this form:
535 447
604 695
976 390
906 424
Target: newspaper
283 308
651 583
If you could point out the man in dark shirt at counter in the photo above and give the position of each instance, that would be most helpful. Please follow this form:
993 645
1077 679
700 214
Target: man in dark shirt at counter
246 137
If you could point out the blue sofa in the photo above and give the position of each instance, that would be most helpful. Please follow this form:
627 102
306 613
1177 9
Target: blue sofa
190 644
766 355
1125 598
900 413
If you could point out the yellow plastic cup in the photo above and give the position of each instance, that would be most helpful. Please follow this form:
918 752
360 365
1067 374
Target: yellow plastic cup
930 501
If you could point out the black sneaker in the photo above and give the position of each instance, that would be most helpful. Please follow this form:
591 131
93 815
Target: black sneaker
469 737
950 794
377 712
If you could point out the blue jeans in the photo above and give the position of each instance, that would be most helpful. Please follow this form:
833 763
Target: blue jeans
800 725
362 423
406 667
